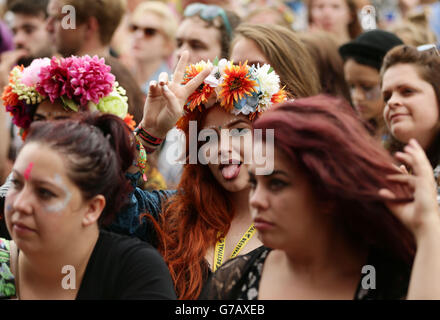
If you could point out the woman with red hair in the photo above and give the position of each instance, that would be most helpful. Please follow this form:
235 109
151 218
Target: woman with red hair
340 218
207 221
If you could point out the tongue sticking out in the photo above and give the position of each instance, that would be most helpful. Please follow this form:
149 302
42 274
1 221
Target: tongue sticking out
231 171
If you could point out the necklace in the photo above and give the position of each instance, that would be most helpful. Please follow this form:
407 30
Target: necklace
220 247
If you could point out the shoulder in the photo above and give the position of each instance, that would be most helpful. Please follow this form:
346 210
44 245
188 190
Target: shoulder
229 278
126 268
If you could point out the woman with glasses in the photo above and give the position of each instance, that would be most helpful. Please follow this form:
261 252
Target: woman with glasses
362 61
152 28
411 91
206 32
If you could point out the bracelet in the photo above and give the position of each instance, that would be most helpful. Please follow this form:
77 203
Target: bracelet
149 150
141 132
142 158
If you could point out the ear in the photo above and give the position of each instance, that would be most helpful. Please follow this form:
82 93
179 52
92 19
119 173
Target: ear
95 207
92 25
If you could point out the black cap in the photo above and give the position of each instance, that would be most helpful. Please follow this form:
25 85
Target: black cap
370 47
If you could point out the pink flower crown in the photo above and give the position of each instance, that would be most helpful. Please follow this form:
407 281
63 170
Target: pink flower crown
81 83
238 89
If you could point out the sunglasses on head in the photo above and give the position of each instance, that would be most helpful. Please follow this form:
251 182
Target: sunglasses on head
208 13
148 32
432 48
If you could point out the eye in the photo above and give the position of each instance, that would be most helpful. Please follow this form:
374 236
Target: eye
45 194
252 181
16 184
238 132
179 43
406 91
276 184
386 96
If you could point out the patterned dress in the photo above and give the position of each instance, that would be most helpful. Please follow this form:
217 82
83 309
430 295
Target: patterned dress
7 280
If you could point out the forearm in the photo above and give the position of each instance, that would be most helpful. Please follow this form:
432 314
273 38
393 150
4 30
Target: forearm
425 276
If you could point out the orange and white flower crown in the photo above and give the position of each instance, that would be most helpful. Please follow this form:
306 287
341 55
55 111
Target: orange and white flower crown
238 89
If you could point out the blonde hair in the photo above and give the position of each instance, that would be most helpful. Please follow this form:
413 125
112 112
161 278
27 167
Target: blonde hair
415 30
160 9
108 13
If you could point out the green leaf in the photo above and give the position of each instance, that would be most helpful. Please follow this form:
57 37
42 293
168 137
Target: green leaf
270 70
215 61
70 104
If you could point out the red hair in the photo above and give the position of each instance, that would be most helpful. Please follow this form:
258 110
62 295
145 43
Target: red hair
191 222
345 166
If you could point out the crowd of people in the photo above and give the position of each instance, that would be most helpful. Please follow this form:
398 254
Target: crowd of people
239 150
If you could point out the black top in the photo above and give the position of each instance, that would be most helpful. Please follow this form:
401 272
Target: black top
121 267
239 278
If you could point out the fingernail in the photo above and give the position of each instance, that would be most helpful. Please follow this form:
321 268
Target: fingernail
165 87
152 83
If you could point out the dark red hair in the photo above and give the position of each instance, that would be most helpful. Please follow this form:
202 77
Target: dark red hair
192 221
345 166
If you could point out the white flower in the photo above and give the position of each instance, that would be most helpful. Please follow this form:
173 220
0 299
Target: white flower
269 82
216 76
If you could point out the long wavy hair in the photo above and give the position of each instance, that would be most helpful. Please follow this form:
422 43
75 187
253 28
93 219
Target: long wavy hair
192 221
346 167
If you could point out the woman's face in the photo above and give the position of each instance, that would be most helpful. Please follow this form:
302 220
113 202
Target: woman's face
283 204
364 84
247 50
43 209
47 110
202 42
412 109
227 157
331 15
146 32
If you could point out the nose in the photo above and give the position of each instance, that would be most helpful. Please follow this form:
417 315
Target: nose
258 199
19 39
356 94
394 101
22 201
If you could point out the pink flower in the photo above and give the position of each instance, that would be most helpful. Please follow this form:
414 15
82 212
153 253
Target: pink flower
82 79
90 79
30 74
54 80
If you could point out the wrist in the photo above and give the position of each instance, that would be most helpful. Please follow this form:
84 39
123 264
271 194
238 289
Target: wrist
428 230
157 133
148 137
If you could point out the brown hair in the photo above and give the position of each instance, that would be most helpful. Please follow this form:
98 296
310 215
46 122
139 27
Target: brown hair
286 54
108 13
354 27
427 65
323 47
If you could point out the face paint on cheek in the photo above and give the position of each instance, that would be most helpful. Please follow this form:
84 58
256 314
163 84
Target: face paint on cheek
60 205
27 172
8 208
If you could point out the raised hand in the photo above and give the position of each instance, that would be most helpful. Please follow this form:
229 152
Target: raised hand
165 101
423 211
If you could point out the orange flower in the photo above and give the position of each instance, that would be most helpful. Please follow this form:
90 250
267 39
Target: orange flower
236 85
129 121
278 97
203 92
10 98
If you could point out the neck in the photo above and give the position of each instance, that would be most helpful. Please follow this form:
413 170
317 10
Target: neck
45 269
240 201
143 70
317 254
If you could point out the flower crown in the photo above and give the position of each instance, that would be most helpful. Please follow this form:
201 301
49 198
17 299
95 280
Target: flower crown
239 89
81 83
